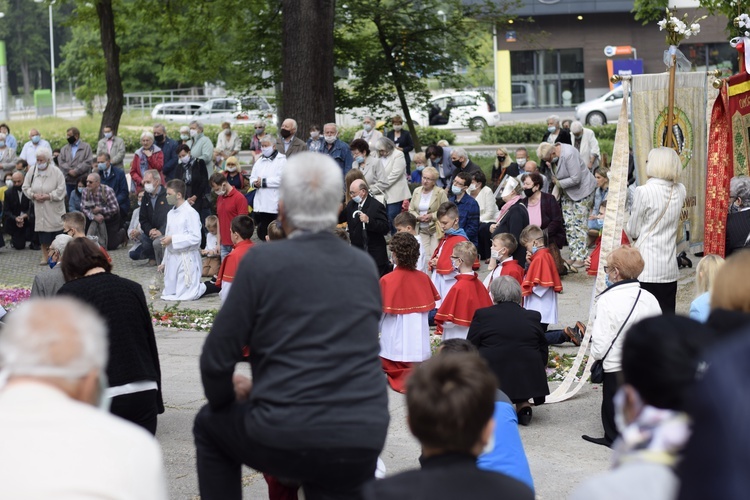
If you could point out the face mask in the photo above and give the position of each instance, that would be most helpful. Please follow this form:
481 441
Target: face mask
35 139
528 193
435 163
9 183
51 263
457 163
607 282
107 135
357 199
102 166
139 203
71 140
228 131
267 151
551 129
398 128
184 137
456 190
42 166
259 131
733 209
495 254
159 138
231 169
501 159
554 160
148 187
599 224
420 167
220 192
330 139
286 134
314 135
185 159
521 162
534 249
193 132
577 136
472 188
451 231
360 159
80 189
367 127
171 199
2 144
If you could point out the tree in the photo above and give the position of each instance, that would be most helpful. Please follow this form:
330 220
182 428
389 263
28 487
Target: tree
307 65
653 10
392 46
113 109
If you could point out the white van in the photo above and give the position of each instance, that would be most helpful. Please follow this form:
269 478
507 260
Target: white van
175 111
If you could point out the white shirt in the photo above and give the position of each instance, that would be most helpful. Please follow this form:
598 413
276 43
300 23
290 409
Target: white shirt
589 146
269 171
28 152
55 447
488 211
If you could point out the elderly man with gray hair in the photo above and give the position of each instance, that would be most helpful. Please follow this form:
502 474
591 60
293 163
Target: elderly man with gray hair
555 133
325 430
512 341
99 205
460 160
288 143
49 281
336 148
201 146
53 353
738 222
584 140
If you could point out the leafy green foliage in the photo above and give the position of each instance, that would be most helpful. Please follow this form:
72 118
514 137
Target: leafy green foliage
532 133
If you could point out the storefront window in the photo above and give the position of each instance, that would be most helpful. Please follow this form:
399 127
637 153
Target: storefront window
547 78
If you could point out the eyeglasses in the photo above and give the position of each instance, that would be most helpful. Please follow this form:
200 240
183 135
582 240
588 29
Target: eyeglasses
607 269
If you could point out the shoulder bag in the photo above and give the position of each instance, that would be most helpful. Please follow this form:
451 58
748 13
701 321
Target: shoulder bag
597 369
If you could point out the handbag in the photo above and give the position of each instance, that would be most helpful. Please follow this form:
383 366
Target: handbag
597 369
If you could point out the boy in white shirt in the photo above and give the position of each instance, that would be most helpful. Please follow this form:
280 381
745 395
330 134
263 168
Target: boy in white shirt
406 222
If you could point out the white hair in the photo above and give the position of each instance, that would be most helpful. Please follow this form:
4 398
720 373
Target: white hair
505 289
148 134
197 124
59 243
576 127
335 127
311 189
58 337
384 144
555 119
368 117
44 152
293 121
268 139
260 124
739 187
185 129
460 153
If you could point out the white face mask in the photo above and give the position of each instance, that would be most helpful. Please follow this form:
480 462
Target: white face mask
148 187
193 132
398 128
330 139
9 183
185 159
367 127
267 151
472 188
314 135
231 169
521 161
42 166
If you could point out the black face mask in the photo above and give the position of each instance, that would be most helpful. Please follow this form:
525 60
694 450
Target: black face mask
159 138
528 192
285 133
501 159
457 163
71 140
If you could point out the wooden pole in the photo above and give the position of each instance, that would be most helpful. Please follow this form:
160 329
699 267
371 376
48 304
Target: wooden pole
671 142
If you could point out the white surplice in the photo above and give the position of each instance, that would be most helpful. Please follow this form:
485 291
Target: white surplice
544 301
405 337
182 258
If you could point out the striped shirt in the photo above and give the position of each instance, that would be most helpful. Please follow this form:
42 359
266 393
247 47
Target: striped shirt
657 244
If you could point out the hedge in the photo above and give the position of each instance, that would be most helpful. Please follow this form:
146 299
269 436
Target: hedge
530 133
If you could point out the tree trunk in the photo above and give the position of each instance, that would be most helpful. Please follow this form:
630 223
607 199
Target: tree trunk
307 63
25 75
113 110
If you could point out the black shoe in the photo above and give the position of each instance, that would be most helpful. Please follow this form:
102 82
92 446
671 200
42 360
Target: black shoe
600 441
573 334
35 247
683 261
524 415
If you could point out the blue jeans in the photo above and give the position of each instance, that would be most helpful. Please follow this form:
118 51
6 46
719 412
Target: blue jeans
393 210
556 337
225 249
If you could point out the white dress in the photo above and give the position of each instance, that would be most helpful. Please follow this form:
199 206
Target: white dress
182 258
405 337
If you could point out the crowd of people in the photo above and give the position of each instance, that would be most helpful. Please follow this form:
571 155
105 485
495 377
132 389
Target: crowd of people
329 325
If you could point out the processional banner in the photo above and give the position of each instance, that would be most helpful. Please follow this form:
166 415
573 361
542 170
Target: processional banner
649 120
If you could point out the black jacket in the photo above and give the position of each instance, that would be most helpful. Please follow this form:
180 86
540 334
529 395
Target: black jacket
552 219
513 222
377 228
309 308
12 207
470 168
512 341
562 136
738 228
452 476
154 216
405 142
198 184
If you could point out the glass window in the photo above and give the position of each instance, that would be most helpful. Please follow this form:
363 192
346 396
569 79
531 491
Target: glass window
547 78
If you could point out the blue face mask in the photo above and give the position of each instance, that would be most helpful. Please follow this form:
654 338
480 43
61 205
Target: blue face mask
35 139
534 249
360 159
599 224
80 190
551 129
51 263
451 231
102 166
607 282
420 167
357 199
455 190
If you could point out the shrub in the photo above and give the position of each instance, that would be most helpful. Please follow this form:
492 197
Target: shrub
532 133
431 135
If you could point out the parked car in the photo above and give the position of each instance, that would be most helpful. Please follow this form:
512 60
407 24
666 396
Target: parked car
175 111
242 111
602 109
465 109
523 95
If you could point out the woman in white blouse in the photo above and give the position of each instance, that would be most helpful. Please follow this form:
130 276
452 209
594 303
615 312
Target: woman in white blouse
424 204
395 186
487 211
653 224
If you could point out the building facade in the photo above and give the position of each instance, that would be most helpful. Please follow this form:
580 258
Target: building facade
552 54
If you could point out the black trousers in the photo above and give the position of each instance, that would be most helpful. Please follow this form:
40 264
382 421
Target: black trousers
19 235
141 408
665 293
262 220
485 241
223 443
609 389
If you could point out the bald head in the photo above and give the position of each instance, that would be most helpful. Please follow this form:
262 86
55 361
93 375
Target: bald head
531 166
17 178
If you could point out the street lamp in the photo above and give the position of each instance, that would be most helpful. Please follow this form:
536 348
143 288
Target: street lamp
51 56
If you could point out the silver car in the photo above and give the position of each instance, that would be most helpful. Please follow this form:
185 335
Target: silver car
601 110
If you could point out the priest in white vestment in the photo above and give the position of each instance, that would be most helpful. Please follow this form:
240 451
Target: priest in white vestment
182 243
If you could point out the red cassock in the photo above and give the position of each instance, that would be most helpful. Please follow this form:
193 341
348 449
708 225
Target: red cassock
405 291
444 250
543 272
466 296
231 262
594 267
513 269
